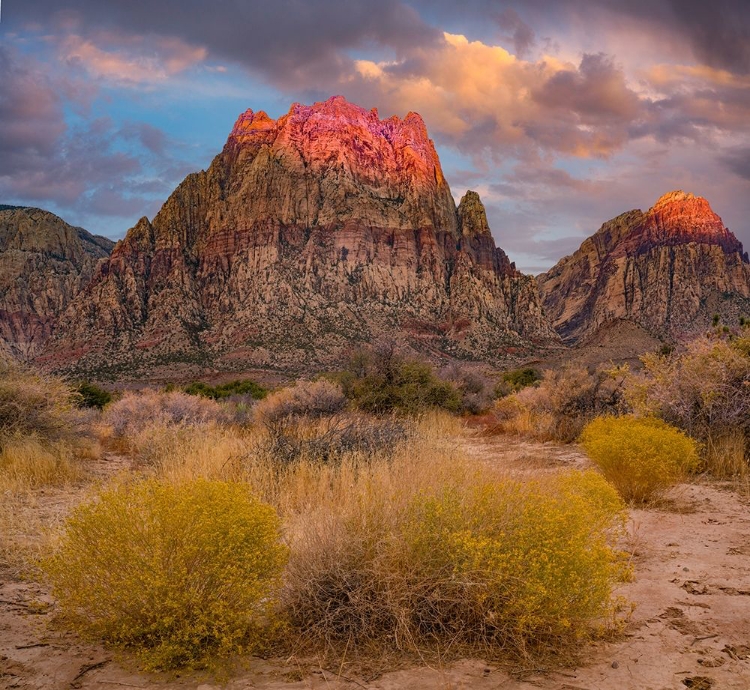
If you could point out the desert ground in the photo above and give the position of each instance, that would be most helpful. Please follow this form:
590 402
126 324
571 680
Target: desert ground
689 627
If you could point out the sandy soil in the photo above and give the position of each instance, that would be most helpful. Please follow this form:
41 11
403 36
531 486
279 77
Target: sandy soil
690 627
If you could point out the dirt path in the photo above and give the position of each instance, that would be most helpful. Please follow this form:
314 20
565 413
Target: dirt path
690 627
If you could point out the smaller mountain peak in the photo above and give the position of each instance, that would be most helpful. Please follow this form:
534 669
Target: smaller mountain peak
472 217
250 123
674 197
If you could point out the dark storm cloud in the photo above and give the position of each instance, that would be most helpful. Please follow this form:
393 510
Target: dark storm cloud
520 35
718 32
738 161
290 41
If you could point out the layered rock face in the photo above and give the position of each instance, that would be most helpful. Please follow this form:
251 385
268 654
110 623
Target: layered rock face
325 227
44 264
668 270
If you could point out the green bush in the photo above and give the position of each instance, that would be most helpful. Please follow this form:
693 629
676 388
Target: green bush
382 380
244 387
91 395
516 379
178 572
642 457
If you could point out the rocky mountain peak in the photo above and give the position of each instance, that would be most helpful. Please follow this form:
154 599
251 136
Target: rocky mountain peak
668 270
44 265
472 217
325 227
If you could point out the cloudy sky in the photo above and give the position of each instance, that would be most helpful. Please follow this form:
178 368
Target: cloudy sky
562 114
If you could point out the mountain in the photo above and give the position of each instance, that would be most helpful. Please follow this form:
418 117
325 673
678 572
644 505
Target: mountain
44 264
669 270
307 234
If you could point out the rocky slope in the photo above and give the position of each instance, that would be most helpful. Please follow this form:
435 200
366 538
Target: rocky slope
668 270
44 264
326 227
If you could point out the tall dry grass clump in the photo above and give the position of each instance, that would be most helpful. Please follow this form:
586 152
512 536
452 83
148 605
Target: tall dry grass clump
705 391
32 404
180 573
43 433
434 554
642 457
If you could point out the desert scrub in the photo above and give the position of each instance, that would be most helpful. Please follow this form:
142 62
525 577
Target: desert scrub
559 406
177 572
705 391
136 411
434 553
28 463
311 399
35 404
519 565
642 457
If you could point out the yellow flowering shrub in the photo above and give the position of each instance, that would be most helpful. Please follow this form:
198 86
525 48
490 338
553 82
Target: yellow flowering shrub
460 561
642 457
176 572
516 564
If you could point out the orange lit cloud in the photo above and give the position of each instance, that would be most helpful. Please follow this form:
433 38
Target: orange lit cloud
469 89
133 61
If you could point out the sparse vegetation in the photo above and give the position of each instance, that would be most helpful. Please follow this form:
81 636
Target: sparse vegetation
178 572
561 404
706 392
91 395
642 457
231 389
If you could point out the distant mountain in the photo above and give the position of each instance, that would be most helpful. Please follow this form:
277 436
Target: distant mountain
44 264
668 270
307 235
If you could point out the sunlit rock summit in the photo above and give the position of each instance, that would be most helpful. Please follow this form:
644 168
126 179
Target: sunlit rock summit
307 234
668 270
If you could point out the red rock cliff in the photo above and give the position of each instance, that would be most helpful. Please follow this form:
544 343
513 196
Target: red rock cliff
325 227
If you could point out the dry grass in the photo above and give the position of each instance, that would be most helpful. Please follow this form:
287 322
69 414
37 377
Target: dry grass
26 463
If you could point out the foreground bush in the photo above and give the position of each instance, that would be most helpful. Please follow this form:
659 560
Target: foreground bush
705 391
178 572
641 457
430 554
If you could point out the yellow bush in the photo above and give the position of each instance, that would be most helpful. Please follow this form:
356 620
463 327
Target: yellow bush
444 554
515 564
642 457
176 571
